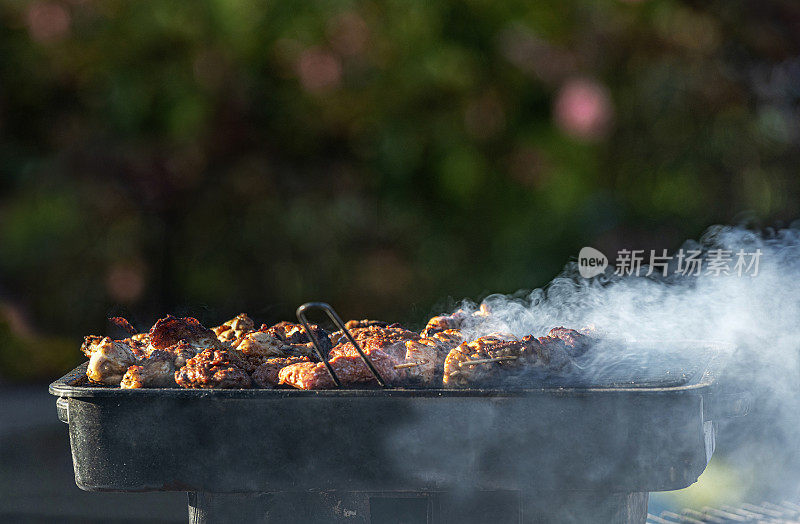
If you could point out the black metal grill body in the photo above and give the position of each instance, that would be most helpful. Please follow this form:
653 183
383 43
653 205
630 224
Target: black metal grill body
617 439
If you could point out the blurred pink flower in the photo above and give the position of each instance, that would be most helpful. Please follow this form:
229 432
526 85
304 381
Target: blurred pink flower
47 21
319 70
583 109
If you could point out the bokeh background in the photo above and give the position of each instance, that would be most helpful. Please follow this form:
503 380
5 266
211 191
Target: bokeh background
387 157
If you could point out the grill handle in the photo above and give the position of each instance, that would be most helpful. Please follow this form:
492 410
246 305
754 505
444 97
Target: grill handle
301 316
719 405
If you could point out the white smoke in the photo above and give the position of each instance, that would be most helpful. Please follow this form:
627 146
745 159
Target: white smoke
756 317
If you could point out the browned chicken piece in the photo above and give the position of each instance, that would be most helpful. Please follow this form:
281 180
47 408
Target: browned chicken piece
494 358
390 339
296 336
109 361
157 371
182 352
215 368
266 374
425 357
139 344
262 344
351 370
170 330
91 343
234 328
577 343
456 320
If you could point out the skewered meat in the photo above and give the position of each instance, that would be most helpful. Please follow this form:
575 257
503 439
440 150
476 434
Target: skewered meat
495 358
215 368
350 370
234 328
429 354
170 330
109 361
266 374
156 371
390 339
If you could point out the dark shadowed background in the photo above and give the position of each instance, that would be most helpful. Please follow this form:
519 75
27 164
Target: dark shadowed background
390 158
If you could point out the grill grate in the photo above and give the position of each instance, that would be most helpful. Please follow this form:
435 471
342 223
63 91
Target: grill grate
764 513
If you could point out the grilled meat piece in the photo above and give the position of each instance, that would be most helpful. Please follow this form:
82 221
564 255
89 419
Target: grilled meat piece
266 374
456 320
123 323
429 353
355 324
295 335
91 343
215 368
170 330
390 339
497 358
157 371
351 370
292 333
181 352
234 328
109 361
262 344
576 342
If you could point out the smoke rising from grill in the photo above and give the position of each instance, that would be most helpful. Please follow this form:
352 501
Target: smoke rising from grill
752 321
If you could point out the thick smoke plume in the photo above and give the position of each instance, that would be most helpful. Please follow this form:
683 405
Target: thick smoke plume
752 321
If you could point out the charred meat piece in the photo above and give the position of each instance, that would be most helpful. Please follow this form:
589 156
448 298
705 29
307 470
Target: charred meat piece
139 344
91 343
215 368
390 339
493 359
157 371
123 323
456 320
351 370
170 330
577 343
234 328
425 357
292 333
109 361
296 336
266 374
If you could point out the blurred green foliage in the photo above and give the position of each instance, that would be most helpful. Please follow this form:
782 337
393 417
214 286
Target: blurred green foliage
220 156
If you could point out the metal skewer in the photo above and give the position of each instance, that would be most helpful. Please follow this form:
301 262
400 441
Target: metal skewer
411 364
301 316
486 360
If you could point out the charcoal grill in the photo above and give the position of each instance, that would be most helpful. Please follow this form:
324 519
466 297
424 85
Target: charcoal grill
557 453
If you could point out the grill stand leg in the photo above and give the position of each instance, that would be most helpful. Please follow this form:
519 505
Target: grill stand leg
567 507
